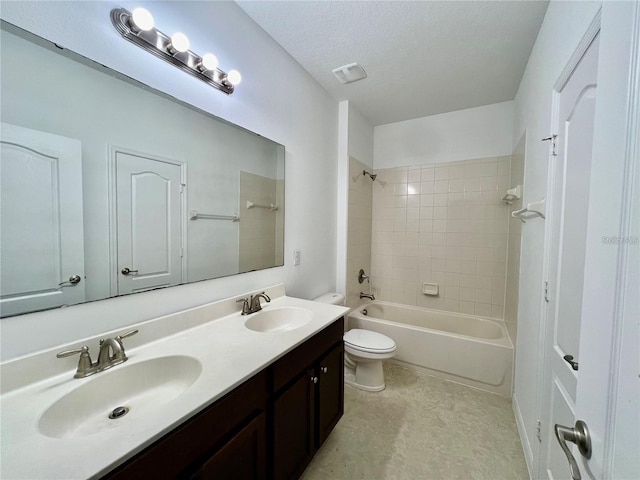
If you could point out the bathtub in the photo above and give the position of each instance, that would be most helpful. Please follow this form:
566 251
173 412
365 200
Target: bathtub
472 350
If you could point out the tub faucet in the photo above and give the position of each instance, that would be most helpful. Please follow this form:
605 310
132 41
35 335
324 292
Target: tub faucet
367 295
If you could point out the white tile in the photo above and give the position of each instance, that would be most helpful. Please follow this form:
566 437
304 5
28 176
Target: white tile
453 265
483 296
467 281
467 307
483 310
457 185
414 175
428 174
441 186
441 199
413 188
400 189
426 200
451 305
442 173
453 279
413 201
467 294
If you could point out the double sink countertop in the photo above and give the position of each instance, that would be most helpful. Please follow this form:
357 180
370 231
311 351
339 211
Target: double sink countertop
57 426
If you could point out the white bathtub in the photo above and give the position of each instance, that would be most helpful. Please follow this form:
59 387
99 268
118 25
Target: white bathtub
472 350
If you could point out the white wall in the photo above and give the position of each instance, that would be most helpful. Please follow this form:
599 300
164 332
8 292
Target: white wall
564 25
355 141
276 98
478 132
360 137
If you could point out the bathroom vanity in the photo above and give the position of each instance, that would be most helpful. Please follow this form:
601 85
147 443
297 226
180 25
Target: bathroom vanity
268 427
211 394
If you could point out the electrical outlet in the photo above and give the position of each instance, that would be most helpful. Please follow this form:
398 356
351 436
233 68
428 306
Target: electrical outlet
296 257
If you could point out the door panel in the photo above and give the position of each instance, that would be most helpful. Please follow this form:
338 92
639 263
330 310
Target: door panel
330 392
569 200
149 223
41 204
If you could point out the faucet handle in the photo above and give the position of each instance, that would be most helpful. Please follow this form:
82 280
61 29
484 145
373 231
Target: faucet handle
246 309
128 334
68 353
85 365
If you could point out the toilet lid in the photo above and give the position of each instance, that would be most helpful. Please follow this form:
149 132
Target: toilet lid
369 341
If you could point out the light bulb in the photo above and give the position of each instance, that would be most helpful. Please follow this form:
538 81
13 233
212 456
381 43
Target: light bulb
142 19
179 42
210 61
234 77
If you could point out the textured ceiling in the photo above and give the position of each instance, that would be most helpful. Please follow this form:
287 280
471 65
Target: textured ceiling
422 57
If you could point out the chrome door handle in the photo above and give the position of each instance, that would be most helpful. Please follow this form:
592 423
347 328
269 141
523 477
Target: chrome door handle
73 280
314 379
569 360
324 369
127 271
578 435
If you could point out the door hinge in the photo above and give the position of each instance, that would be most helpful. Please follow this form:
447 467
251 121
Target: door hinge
552 139
539 430
546 292
182 185
181 252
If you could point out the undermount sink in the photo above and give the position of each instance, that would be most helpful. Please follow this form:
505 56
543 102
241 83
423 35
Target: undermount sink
137 387
279 319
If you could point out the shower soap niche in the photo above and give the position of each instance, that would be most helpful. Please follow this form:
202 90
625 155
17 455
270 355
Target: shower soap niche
430 288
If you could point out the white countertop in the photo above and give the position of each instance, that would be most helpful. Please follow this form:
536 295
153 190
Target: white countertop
228 352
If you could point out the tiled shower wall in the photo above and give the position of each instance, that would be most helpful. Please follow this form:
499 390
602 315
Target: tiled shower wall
442 223
359 231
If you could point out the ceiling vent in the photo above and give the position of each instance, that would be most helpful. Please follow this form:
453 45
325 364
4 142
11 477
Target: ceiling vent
350 73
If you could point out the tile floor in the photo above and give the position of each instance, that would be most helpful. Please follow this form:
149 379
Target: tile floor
421 427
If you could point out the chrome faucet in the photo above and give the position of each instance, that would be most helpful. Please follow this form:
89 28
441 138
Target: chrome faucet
252 305
367 295
111 354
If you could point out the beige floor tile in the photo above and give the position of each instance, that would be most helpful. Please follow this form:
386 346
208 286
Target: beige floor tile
421 427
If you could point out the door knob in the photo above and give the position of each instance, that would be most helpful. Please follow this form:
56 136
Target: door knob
578 435
127 271
324 369
73 279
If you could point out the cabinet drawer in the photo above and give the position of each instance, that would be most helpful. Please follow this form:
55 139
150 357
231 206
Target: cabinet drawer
193 442
289 367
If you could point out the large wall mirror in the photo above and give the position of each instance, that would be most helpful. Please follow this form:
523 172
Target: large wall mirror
109 187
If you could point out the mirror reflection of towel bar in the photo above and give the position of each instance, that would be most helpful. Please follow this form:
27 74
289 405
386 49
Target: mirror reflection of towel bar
194 215
271 207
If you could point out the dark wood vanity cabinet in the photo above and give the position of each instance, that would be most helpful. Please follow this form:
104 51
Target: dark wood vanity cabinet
267 428
308 400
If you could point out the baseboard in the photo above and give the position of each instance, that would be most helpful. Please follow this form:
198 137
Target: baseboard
524 440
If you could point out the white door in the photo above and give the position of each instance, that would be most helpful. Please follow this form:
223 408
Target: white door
569 199
590 215
149 223
42 246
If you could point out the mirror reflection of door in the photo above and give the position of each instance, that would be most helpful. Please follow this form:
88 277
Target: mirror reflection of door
149 223
42 248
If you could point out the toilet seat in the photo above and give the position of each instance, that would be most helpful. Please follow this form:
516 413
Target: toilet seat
368 341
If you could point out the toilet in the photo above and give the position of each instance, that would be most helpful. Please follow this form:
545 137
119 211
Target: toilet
364 352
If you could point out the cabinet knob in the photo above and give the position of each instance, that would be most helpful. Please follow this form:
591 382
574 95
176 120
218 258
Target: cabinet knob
314 379
324 369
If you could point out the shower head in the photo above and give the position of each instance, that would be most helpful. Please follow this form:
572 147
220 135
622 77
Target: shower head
371 175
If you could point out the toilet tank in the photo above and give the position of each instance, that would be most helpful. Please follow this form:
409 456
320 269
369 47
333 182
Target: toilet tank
332 298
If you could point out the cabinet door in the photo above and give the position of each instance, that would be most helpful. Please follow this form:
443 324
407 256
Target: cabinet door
330 392
241 458
293 420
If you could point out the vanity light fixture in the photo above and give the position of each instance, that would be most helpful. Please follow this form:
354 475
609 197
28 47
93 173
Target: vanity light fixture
138 27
